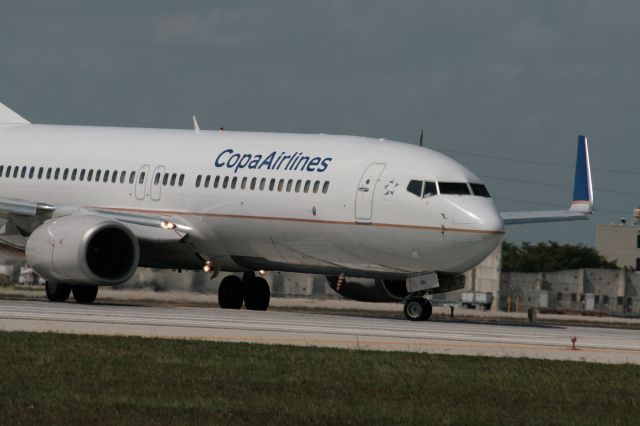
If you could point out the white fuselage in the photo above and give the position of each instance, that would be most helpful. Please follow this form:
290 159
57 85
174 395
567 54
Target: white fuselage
366 223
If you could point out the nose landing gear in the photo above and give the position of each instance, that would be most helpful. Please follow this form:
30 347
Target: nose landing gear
251 290
417 308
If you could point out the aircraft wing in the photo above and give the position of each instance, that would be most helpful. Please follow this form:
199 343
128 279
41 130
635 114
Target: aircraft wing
582 205
154 228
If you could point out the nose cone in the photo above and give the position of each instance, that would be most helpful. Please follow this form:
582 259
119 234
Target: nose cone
479 230
477 213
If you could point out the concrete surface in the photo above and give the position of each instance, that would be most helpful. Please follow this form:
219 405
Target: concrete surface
359 333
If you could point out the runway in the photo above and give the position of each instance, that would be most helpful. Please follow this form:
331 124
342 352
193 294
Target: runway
593 344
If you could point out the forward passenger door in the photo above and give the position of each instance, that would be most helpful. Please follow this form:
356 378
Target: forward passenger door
366 190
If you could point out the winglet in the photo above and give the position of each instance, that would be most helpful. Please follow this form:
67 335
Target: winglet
582 187
8 116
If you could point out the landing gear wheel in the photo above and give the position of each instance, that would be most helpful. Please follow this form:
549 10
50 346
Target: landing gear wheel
57 292
230 293
85 294
417 309
256 294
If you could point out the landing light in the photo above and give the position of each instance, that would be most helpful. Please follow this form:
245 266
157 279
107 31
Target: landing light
167 225
207 266
262 272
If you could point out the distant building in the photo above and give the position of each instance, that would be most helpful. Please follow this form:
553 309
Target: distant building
620 242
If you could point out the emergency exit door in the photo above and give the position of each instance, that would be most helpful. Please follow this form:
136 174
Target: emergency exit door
366 191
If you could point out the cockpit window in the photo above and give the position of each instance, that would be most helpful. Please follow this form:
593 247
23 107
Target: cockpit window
415 187
479 190
422 189
429 189
458 188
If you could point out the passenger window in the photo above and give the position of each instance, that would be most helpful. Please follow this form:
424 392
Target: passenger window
307 184
429 189
181 180
8 172
415 187
325 187
82 174
243 185
74 172
123 176
316 186
207 180
456 188
90 176
298 184
165 179
1 170
24 172
216 182
198 180
105 178
132 177
16 170
225 182
156 180
65 174
40 172
479 190
32 171
48 173
233 182
289 185
263 181
253 183
280 185
272 184
173 179
57 173
114 176
140 178
100 171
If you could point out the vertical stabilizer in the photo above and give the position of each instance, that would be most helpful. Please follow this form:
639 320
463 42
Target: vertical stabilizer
8 116
582 188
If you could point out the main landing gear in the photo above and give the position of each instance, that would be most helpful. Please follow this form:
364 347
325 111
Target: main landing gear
417 308
253 291
57 292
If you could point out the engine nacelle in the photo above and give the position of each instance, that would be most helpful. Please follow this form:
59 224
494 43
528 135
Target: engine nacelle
377 290
83 249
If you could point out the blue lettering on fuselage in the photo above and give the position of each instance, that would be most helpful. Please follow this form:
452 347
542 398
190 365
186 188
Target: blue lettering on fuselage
274 160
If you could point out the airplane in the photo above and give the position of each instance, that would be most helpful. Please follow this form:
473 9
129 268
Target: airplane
89 205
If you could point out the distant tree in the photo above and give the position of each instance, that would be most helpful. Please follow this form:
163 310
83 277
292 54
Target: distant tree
551 256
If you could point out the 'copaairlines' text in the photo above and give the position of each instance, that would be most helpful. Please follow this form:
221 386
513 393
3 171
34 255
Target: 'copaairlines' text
298 161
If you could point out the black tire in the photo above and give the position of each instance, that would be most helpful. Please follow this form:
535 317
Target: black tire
417 309
57 292
85 294
231 293
257 294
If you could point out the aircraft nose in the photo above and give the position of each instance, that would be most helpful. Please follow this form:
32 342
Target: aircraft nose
479 214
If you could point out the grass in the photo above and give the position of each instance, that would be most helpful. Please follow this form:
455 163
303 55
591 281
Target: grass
67 379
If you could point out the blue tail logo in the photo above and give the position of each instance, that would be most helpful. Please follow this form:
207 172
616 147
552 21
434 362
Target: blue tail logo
582 188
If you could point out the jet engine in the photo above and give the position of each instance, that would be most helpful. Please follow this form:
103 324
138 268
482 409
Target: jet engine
378 290
83 249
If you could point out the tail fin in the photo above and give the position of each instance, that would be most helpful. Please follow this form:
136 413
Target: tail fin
8 116
582 187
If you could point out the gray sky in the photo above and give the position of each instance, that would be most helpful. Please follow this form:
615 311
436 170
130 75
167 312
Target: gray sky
516 79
